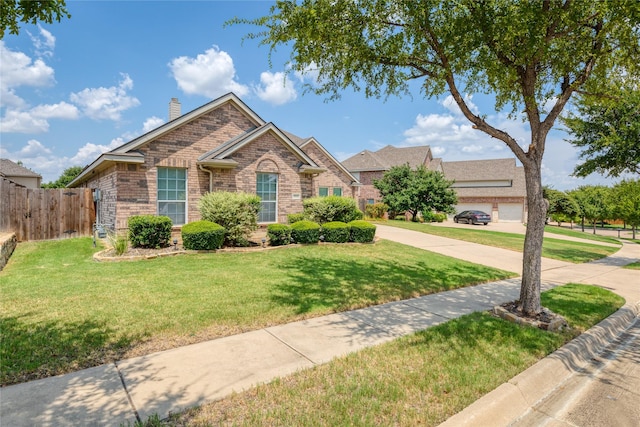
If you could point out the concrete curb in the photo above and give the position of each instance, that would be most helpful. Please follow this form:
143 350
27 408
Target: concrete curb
511 400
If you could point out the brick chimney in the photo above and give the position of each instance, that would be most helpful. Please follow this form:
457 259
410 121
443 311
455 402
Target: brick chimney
174 109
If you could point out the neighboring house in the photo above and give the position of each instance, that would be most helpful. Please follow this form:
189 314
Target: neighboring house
495 186
367 166
222 145
19 174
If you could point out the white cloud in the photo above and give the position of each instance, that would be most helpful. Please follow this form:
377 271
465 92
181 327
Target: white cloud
18 69
45 43
35 120
474 148
450 104
310 74
275 88
89 152
439 129
61 110
211 74
151 123
106 103
438 151
23 122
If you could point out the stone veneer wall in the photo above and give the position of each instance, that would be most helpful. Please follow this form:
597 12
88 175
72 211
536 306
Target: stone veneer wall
8 243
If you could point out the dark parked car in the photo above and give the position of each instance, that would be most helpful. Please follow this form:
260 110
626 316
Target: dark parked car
473 217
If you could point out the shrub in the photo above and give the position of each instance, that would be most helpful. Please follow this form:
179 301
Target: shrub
236 212
305 232
279 234
295 217
149 231
335 232
439 217
331 208
376 210
202 235
362 232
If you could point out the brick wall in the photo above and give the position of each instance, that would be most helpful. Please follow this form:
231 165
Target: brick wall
333 177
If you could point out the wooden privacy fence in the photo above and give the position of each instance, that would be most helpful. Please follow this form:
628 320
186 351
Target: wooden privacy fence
41 214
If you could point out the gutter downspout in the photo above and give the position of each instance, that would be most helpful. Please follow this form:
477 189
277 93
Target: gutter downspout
210 177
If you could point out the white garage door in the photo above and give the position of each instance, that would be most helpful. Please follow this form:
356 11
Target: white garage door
484 207
510 212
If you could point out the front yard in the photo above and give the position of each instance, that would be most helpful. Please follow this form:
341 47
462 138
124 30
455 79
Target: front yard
563 250
62 311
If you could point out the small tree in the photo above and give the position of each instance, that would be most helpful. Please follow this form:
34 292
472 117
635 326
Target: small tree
416 190
562 207
593 203
625 198
236 212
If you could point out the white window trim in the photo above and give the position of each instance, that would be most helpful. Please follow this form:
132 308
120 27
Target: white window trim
186 195
277 195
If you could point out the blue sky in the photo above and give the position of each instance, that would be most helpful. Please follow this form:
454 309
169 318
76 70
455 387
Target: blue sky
72 90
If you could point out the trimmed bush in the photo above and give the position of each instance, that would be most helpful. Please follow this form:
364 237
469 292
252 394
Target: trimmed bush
149 231
376 210
335 232
331 208
279 234
305 232
362 232
236 212
202 235
295 217
439 217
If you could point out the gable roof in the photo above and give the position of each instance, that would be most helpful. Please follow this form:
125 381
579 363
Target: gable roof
312 140
220 156
387 157
486 178
480 170
9 168
188 117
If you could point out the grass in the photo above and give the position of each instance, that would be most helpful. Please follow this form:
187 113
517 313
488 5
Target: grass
633 266
421 379
586 235
563 250
62 311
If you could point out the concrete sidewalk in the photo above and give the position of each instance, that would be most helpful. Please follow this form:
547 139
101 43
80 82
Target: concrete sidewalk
179 378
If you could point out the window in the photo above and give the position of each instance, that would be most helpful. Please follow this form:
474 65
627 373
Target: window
172 194
337 191
267 190
370 201
323 191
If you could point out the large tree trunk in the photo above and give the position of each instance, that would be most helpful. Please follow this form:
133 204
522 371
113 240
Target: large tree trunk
532 255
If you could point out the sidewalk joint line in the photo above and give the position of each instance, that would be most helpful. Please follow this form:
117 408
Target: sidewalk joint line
291 347
126 392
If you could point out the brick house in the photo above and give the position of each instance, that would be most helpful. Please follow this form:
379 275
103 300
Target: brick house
222 145
495 186
367 166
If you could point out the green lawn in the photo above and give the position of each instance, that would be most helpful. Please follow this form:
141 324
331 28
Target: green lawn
633 266
563 250
586 235
62 311
421 379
